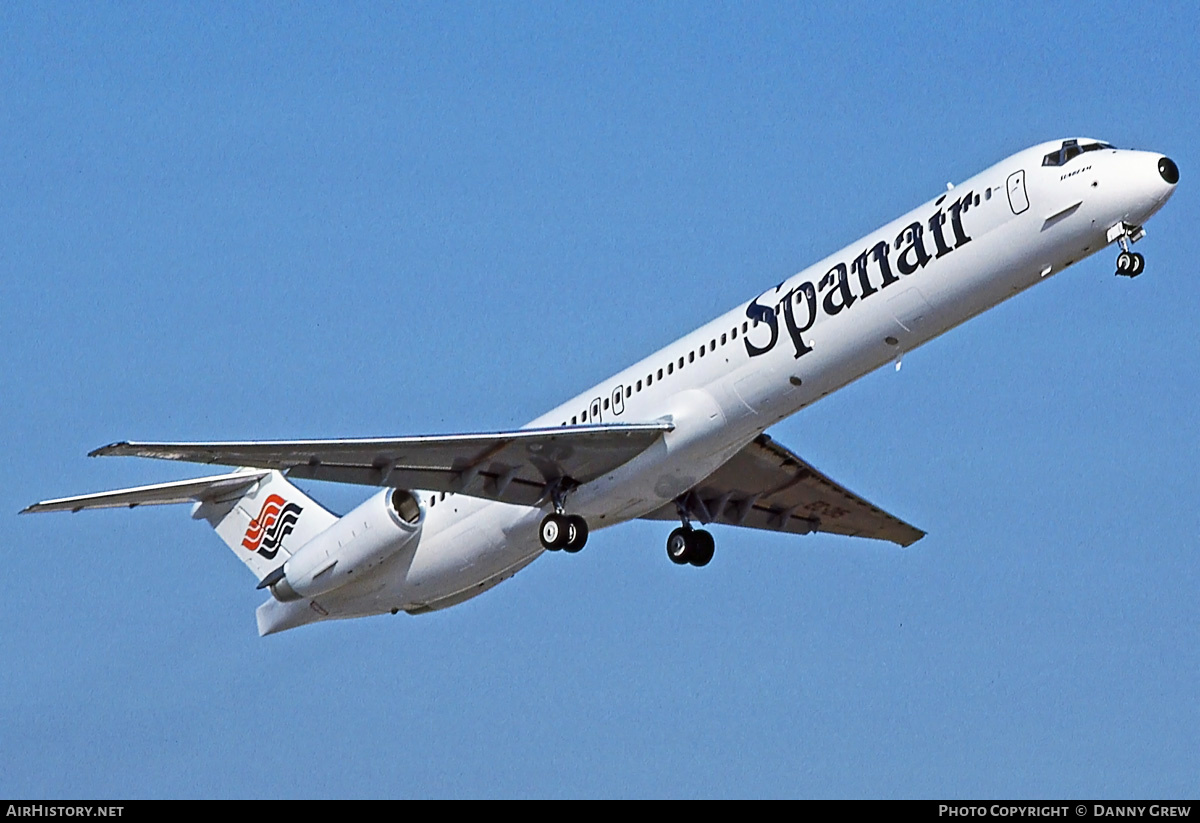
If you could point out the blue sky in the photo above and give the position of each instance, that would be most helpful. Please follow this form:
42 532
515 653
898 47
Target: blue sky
284 221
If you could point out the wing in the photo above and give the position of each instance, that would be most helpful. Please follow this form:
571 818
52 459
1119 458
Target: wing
766 486
521 467
181 491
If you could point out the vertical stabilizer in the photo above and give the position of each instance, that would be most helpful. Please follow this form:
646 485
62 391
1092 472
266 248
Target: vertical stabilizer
266 524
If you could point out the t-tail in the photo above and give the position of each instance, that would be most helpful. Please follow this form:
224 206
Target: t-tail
262 517
300 553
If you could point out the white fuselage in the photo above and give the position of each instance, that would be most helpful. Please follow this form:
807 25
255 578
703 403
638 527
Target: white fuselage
944 262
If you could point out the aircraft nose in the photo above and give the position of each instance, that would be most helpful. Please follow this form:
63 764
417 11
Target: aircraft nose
1168 170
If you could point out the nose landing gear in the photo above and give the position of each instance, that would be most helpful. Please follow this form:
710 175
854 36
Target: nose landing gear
1129 263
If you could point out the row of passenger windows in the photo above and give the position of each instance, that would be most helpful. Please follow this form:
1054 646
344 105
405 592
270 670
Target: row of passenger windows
705 348
669 369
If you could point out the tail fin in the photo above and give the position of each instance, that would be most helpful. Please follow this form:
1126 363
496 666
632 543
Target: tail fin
267 523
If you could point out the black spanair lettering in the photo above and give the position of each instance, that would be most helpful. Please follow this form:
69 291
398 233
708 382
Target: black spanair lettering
840 287
806 291
766 315
909 259
859 267
880 254
956 212
935 228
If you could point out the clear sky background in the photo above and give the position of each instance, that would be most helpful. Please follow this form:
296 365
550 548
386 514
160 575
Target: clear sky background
284 221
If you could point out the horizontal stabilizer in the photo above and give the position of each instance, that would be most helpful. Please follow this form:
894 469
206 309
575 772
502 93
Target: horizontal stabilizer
514 467
200 489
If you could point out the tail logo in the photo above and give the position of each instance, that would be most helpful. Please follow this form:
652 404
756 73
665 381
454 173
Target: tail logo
275 522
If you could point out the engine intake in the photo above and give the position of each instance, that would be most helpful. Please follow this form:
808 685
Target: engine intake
355 544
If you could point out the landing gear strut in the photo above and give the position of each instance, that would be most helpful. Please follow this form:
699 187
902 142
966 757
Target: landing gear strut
559 530
1129 263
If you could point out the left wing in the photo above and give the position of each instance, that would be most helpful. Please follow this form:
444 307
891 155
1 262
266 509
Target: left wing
523 466
766 486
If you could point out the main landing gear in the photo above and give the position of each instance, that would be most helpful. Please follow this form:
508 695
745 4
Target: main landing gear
688 545
568 532
1129 263
559 530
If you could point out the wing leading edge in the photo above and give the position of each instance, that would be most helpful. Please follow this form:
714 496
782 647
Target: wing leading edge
520 467
766 486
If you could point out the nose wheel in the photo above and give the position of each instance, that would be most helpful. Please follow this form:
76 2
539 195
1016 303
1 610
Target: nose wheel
1130 264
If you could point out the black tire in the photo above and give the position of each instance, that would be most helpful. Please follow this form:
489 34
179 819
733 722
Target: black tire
577 533
680 546
702 554
554 532
1139 265
1125 264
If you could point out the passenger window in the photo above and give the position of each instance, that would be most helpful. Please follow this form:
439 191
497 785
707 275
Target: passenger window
639 385
606 404
670 368
573 420
629 390
691 357
660 374
733 334
702 351
583 417
722 339
681 362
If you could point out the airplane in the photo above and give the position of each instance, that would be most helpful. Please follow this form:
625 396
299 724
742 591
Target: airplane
680 435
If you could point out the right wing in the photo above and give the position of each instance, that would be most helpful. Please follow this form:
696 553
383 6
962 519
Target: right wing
766 486
522 467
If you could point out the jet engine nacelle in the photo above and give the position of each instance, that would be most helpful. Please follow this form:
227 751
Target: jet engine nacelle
356 543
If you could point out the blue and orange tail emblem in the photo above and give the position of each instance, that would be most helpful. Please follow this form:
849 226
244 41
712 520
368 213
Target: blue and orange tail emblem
275 522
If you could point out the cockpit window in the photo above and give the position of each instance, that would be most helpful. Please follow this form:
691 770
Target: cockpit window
1069 150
